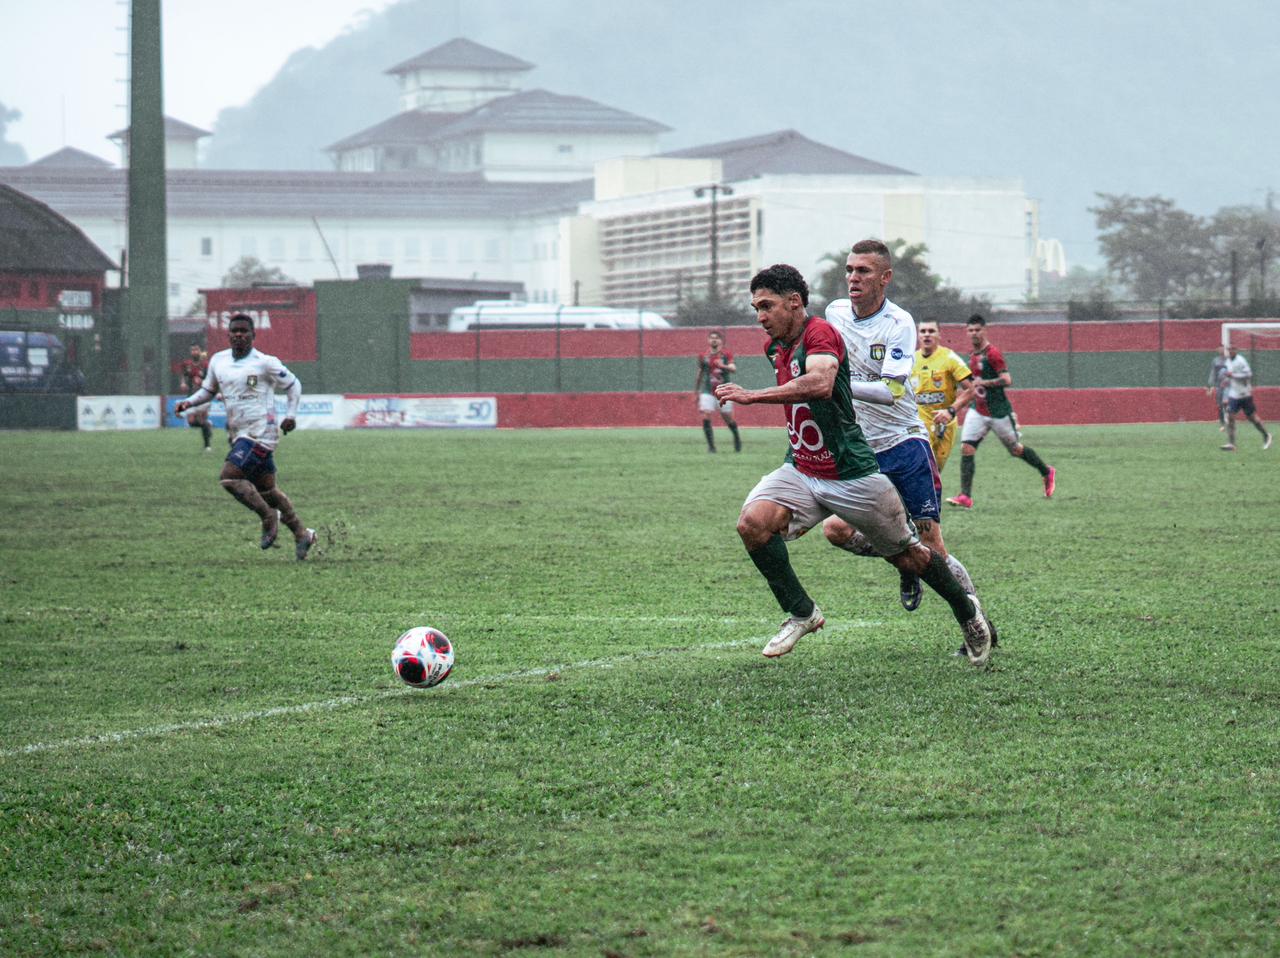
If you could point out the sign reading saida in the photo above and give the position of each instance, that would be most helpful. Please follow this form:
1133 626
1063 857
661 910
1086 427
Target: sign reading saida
110 413
422 412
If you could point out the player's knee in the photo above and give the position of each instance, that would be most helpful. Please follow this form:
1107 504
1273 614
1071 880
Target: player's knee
968 450
837 531
1017 450
240 488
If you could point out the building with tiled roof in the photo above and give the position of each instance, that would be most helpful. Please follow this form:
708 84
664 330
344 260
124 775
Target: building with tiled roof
462 111
70 158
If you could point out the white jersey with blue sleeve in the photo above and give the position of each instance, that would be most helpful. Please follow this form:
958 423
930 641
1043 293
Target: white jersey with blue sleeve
881 346
248 386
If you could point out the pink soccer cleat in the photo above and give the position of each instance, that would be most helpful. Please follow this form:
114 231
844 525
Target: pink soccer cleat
1050 482
961 500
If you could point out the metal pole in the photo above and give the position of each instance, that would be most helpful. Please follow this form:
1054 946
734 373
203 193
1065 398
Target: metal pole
559 381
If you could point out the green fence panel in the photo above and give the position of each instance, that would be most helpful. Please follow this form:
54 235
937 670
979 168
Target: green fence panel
43 411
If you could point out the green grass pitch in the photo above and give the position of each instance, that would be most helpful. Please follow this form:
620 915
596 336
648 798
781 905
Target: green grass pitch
205 752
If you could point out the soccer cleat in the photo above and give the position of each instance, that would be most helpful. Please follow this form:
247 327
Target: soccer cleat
302 546
977 635
910 591
961 500
270 528
1050 481
792 631
1228 447
1266 443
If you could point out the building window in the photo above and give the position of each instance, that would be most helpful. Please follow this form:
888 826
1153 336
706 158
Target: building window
564 148
248 246
386 250
466 252
275 249
175 290
413 249
206 246
492 250
439 249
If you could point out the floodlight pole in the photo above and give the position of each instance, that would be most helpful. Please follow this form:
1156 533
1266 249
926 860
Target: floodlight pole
716 190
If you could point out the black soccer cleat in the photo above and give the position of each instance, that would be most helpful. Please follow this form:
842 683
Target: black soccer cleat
910 591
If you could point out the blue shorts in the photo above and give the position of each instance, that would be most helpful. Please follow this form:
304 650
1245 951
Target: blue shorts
1244 405
911 468
251 459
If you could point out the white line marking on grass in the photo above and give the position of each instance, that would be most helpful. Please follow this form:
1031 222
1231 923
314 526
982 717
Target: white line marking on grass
328 705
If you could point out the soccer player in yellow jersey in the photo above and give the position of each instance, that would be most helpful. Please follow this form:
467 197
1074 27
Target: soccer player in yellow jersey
944 385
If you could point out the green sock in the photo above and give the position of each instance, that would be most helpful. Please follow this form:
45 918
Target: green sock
1031 459
774 564
711 436
939 577
966 475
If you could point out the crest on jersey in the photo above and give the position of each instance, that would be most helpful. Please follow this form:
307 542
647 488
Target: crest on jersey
877 351
252 382
795 368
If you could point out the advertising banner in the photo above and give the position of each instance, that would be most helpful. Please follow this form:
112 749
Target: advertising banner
314 412
107 413
421 412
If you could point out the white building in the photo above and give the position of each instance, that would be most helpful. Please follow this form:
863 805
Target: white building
558 193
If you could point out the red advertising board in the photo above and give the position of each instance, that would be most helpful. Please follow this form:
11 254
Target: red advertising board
284 317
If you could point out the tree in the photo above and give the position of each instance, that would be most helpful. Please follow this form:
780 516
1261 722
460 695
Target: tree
11 154
915 287
1254 237
1157 250
250 271
709 312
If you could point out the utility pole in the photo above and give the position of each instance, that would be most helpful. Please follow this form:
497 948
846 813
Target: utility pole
716 190
1262 268
146 313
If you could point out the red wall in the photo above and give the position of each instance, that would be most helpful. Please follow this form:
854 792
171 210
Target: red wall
27 290
1035 407
1192 335
284 317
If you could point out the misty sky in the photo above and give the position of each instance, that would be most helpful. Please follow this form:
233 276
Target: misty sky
1126 96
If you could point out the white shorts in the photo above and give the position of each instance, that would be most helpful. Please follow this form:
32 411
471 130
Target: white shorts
870 504
707 404
977 425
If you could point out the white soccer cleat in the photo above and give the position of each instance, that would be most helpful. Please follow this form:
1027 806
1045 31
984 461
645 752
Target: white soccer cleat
302 546
792 631
977 635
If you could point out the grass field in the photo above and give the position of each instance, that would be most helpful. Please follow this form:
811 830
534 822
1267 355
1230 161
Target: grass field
205 751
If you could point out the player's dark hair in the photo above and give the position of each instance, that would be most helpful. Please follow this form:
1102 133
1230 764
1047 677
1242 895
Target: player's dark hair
977 319
782 279
875 248
927 319
240 318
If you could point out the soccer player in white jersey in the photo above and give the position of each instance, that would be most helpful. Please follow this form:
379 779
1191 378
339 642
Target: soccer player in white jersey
248 381
1239 379
881 339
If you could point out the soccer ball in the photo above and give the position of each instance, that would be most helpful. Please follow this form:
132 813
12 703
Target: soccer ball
423 657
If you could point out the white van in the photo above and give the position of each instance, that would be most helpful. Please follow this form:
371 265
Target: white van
513 314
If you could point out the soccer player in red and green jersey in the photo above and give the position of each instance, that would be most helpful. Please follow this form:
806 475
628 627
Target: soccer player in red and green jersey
829 469
992 412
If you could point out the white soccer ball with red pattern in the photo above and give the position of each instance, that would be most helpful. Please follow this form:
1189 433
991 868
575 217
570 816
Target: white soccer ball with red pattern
423 657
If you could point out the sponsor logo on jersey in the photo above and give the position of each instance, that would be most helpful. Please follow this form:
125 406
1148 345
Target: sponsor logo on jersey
896 353
877 352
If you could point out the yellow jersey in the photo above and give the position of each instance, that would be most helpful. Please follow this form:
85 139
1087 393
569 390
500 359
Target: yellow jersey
935 379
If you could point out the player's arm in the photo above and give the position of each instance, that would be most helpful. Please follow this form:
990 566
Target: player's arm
729 365
895 370
966 389
697 383
293 396
883 392
817 382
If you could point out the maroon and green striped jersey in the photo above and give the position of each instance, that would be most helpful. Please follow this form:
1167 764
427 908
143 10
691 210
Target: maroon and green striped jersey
826 440
990 400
